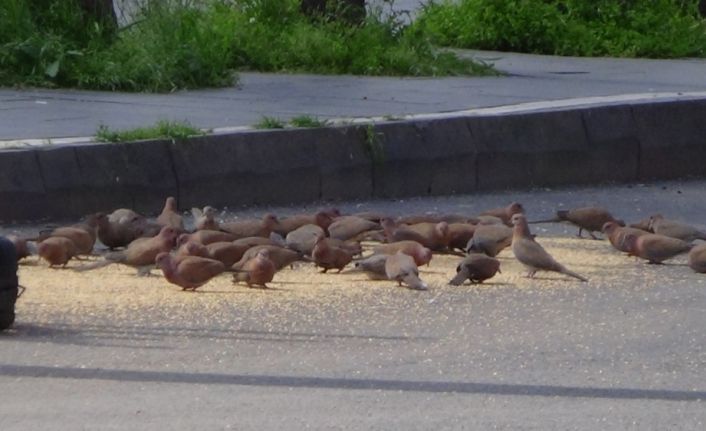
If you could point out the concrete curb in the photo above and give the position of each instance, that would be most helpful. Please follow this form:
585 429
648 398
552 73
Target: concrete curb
617 142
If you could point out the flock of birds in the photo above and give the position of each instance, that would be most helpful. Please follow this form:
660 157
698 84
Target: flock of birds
253 251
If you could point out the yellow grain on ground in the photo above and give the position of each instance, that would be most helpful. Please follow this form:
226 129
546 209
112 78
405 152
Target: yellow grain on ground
117 293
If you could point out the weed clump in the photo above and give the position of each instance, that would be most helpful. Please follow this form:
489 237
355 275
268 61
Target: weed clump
177 44
628 28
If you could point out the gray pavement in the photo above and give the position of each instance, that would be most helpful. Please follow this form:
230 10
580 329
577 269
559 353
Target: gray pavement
38 113
625 351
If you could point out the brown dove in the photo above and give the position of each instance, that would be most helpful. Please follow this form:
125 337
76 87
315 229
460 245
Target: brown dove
349 227
224 251
643 224
434 218
170 215
205 237
246 228
505 214
616 235
328 256
431 235
90 225
373 216
115 234
57 250
420 254
459 234
655 248
697 258
674 229
188 272
476 267
124 215
401 268
590 219
291 223
82 240
490 239
254 241
257 271
141 253
531 254
280 256
205 219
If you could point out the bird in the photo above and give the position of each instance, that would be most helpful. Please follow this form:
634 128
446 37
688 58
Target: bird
246 228
401 268
655 248
170 215
697 258
57 250
303 238
373 266
280 256
124 215
420 254
328 256
348 227
254 241
225 252
257 271
435 218
140 253
82 239
531 254
505 213
490 239
434 236
205 219
205 237
674 229
121 231
590 219
188 272
459 234
616 235
321 219
476 267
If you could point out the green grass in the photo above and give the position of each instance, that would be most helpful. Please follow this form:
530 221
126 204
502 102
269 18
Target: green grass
269 123
171 46
307 121
162 129
627 28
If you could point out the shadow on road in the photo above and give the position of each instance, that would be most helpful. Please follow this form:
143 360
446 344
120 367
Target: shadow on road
353 384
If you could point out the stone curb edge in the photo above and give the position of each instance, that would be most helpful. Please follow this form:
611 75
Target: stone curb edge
617 142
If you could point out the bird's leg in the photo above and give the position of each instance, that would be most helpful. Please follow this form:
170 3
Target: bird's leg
580 234
592 235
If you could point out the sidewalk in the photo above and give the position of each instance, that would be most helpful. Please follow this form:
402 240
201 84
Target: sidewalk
41 113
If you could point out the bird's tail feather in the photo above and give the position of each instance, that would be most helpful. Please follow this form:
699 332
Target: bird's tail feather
460 277
573 274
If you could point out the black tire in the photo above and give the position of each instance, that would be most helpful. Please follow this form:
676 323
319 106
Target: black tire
8 283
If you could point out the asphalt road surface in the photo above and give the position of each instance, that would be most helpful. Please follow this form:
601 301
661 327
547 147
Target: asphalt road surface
108 350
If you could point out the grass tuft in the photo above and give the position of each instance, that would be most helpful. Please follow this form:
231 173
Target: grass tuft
269 123
162 129
308 121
